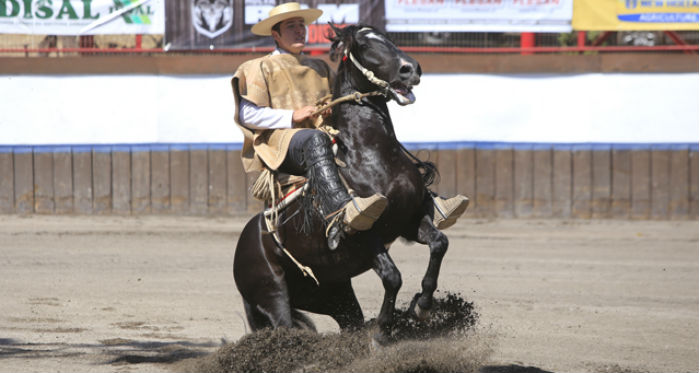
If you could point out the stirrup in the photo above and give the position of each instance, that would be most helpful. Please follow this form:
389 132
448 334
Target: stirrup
335 230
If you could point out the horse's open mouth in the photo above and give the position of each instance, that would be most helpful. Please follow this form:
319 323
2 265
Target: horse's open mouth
402 94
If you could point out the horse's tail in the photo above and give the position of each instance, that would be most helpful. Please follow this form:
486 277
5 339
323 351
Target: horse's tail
429 172
427 169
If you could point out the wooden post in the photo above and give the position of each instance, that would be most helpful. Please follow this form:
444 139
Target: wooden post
102 179
523 184
216 200
179 179
7 181
63 180
602 182
621 193
160 179
236 192
24 180
503 196
562 179
43 181
485 182
582 183
542 182
82 179
198 181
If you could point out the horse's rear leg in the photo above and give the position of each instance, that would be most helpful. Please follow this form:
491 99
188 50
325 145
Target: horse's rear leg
302 321
437 242
270 308
256 319
261 279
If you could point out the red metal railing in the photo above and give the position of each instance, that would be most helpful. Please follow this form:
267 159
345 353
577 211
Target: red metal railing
314 50
472 43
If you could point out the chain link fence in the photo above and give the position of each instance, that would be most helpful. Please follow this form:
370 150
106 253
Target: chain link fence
25 45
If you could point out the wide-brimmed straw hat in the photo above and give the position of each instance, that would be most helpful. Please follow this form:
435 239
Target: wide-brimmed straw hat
282 12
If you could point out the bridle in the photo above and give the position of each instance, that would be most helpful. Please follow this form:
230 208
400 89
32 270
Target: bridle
367 73
385 88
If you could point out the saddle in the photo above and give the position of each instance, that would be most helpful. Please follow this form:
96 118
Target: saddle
274 187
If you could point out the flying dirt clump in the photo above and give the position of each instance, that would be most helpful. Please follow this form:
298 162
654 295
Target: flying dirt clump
444 343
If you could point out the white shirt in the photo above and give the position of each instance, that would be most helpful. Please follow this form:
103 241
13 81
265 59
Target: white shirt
264 118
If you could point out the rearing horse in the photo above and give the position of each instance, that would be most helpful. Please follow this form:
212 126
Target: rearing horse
272 287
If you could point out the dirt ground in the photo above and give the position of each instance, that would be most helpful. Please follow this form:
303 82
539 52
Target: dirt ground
138 294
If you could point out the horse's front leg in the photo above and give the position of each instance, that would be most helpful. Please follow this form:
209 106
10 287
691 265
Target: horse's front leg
391 279
437 242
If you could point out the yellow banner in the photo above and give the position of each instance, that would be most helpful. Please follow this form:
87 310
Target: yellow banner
612 15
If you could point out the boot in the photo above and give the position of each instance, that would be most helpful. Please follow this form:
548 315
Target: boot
332 198
447 211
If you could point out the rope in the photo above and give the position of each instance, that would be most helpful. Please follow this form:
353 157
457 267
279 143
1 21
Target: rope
307 271
357 97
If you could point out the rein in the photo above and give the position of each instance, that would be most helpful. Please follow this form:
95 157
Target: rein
357 97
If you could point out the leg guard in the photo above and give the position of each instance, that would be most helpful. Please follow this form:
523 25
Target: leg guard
329 192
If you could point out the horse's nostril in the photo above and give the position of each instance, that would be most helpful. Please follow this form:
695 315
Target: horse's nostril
406 70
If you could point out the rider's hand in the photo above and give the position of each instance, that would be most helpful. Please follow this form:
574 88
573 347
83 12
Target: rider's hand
326 113
303 114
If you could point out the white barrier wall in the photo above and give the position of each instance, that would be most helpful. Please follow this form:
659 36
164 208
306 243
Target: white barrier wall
133 109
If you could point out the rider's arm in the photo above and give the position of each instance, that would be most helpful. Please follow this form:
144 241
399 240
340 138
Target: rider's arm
263 118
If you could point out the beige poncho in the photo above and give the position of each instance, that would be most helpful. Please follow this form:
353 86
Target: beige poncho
282 81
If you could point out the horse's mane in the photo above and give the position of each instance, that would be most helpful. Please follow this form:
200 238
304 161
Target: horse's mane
341 37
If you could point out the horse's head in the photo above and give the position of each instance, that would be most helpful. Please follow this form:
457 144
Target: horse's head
371 54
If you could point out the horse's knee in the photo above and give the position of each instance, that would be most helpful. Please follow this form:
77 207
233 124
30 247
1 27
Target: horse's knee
438 246
392 281
387 271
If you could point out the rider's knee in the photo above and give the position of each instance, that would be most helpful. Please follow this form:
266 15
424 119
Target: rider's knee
317 147
317 139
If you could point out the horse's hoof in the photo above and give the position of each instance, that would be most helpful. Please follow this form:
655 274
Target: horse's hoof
379 341
417 312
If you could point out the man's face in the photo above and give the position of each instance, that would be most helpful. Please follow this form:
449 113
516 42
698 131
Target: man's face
292 35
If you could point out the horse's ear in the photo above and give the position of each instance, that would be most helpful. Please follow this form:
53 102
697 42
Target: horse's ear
336 30
337 46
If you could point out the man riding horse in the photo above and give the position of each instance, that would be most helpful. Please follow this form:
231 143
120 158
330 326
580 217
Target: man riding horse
276 97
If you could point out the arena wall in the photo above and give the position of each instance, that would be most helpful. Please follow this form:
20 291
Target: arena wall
79 142
638 181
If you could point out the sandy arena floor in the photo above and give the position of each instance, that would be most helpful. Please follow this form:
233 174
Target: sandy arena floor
112 294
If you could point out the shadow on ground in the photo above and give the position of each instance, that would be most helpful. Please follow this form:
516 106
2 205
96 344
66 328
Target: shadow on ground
511 369
115 351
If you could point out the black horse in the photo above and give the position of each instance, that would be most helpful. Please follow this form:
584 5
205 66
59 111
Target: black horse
272 286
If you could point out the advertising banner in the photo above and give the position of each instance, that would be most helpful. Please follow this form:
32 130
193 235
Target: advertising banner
642 15
82 17
211 24
479 15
